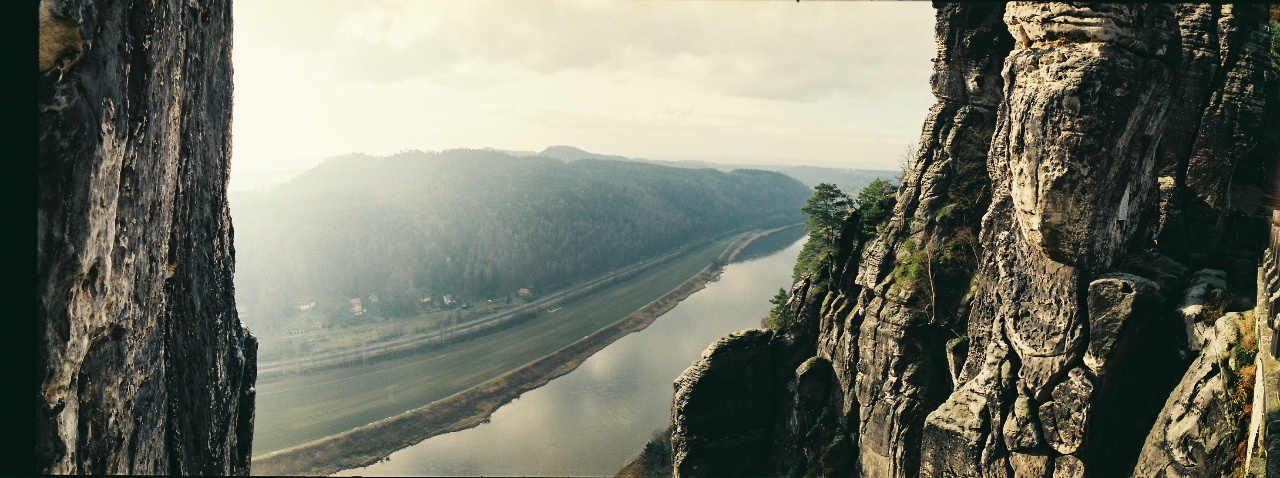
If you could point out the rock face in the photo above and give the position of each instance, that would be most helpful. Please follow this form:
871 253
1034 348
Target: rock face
1029 310
1195 429
1212 212
717 435
146 368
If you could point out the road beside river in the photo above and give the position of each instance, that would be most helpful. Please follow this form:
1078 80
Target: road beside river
298 406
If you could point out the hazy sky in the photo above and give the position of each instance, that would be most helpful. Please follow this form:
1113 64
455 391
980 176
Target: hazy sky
840 84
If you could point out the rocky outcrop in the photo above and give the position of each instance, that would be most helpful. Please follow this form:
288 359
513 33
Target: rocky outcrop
716 433
1029 307
1085 98
887 326
880 320
1196 429
146 368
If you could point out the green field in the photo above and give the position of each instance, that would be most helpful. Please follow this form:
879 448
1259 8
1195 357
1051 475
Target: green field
293 410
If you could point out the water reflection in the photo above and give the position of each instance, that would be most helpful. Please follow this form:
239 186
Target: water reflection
596 419
771 244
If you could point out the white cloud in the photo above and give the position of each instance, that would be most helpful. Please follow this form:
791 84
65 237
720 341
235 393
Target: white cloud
824 83
772 50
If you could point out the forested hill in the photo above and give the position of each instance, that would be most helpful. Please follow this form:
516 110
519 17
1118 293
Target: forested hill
850 180
478 224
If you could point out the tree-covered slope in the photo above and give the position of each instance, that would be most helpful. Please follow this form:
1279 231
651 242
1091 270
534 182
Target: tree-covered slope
477 224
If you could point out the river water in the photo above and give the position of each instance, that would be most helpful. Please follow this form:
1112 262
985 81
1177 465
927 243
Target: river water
597 418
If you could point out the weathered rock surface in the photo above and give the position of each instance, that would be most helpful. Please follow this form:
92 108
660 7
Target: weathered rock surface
1215 157
889 349
1208 284
812 440
723 414
1195 431
1082 159
146 368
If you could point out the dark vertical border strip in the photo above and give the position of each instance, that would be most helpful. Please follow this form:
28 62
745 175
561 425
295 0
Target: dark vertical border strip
19 25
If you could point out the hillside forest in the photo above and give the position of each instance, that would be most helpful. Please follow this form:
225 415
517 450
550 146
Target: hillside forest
362 238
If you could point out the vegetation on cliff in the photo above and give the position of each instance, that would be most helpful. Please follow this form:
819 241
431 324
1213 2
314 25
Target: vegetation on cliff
836 221
654 461
1011 318
1275 34
837 226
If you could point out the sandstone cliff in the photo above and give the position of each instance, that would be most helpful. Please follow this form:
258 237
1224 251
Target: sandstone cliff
145 367
1049 297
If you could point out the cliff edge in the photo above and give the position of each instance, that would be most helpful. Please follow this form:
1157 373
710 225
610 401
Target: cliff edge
145 366
1067 284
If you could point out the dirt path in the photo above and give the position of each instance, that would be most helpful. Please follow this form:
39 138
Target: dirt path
366 445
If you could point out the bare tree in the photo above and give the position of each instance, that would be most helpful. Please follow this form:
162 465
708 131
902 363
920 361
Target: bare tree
906 161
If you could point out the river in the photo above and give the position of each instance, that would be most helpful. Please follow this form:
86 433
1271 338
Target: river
597 418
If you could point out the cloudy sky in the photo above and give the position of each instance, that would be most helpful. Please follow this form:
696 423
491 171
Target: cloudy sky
841 84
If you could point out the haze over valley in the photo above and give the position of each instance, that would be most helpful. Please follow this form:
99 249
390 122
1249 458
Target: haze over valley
362 239
492 192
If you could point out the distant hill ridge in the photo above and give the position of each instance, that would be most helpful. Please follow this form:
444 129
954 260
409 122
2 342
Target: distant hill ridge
416 226
849 179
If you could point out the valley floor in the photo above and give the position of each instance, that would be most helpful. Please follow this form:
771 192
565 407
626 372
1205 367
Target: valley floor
294 410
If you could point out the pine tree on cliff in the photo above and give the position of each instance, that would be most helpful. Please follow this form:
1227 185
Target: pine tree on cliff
827 210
